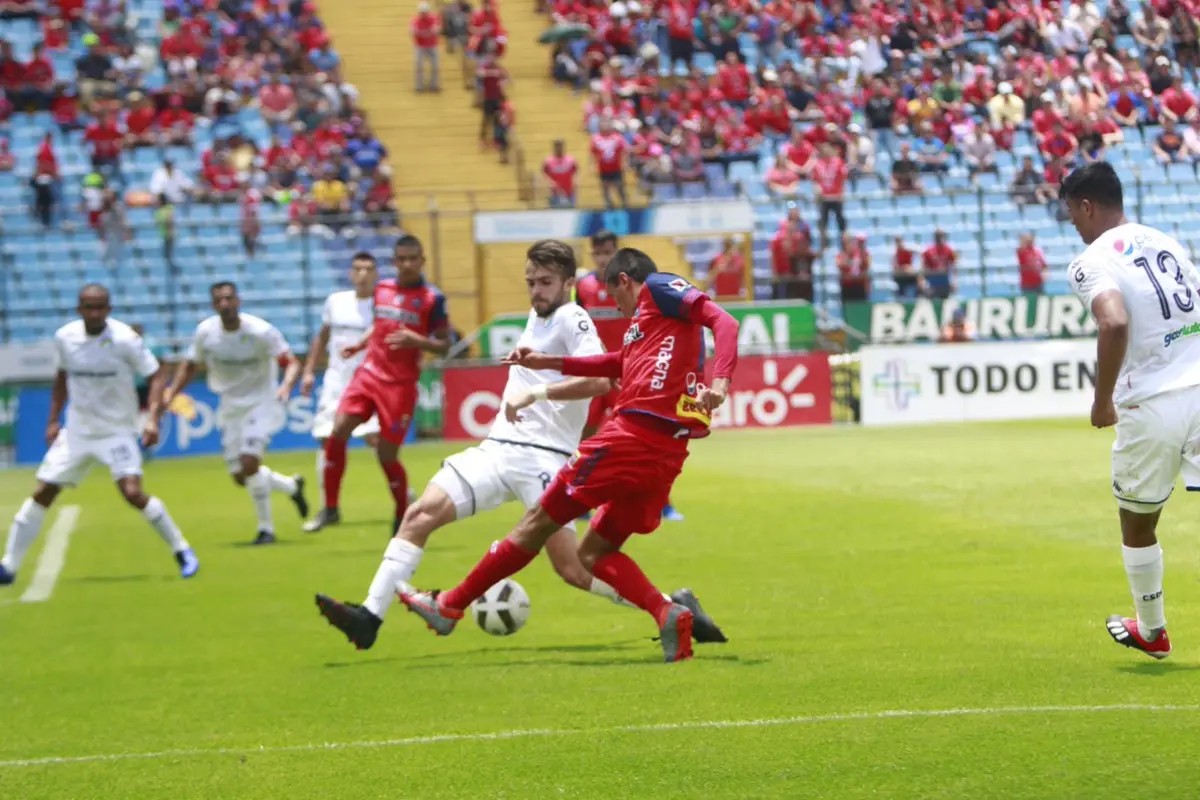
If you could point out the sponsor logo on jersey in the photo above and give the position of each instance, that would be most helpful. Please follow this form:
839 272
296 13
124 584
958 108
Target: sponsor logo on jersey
1179 333
404 315
632 334
662 364
679 285
687 407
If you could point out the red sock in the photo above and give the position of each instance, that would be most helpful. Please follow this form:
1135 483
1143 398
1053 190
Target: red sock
503 559
335 468
398 483
623 574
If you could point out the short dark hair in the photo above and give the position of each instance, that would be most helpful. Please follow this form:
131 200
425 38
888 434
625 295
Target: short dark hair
96 287
1097 182
604 237
363 255
222 285
554 255
634 263
408 240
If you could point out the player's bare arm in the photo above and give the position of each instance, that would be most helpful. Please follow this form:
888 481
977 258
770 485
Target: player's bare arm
291 374
1112 340
437 343
355 349
58 401
319 342
563 391
183 375
154 407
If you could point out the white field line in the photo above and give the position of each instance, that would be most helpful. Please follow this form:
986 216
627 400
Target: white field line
550 733
53 558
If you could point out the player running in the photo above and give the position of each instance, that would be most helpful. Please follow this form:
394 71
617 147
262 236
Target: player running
410 319
242 354
1141 287
345 319
528 444
625 471
99 360
592 293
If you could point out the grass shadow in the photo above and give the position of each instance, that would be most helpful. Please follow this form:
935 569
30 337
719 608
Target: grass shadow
1156 669
120 578
276 543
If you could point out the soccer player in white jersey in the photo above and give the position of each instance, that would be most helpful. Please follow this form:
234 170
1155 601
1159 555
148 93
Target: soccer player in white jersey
344 321
527 445
99 360
242 354
1142 289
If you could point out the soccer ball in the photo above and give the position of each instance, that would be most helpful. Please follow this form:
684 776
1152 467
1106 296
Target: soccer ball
503 609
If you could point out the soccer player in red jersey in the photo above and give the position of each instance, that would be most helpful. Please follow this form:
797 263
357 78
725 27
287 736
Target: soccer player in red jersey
409 320
594 296
625 471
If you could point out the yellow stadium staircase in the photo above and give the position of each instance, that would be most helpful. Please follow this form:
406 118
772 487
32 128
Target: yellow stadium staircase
441 175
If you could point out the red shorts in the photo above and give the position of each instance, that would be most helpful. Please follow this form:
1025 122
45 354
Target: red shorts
625 471
601 409
393 403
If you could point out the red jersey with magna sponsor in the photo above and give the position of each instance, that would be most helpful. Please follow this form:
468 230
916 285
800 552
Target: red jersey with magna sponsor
663 357
421 308
592 294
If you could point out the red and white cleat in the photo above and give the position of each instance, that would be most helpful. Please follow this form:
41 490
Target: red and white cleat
1124 631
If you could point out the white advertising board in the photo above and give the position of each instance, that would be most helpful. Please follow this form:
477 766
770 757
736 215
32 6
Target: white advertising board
977 381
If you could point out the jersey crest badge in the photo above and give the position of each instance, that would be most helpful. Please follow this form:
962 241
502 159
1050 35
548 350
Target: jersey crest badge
632 334
679 285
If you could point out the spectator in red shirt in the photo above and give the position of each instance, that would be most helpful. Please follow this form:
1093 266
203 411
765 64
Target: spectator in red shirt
904 272
560 170
829 175
46 161
734 80
792 258
506 117
854 269
141 129
1177 103
1059 144
380 203
277 102
220 179
426 34
1031 262
7 160
175 122
106 139
608 152
782 180
681 35
493 80
65 110
39 80
938 263
727 273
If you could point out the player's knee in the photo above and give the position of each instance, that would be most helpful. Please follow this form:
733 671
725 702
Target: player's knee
239 479
249 465
45 494
419 522
534 529
134 496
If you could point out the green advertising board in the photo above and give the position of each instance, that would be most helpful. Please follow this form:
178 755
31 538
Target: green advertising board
769 327
1031 316
428 416
8 415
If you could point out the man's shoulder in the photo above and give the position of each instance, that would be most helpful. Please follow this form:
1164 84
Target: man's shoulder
70 332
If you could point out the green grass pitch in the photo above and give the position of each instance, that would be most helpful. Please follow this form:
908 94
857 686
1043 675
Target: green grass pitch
956 575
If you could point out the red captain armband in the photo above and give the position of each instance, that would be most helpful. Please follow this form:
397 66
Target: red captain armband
284 360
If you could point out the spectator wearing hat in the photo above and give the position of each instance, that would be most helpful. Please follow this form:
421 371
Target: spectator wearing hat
425 30
938 264
1006 108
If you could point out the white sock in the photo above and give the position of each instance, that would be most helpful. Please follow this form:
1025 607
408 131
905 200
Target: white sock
602 589
160 519
321 470
259 487
25 527
279 483
1144 567
400 562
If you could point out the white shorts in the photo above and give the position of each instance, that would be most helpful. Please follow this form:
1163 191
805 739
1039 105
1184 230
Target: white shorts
490 475
248 431
1157 440
327 404
70 458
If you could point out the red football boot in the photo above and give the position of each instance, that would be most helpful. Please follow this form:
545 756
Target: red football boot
1124 631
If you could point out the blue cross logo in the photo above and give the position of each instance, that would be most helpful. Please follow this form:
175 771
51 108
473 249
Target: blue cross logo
897 385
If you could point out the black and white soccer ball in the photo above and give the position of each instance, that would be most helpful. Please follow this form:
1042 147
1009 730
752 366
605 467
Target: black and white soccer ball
503 609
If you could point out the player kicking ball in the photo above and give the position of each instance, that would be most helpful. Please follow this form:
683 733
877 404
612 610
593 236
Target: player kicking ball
242 354
1142 289
345 319
624 472
99 360
409 320
528 444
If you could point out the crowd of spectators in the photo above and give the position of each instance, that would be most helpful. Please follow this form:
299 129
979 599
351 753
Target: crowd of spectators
839 88
251 90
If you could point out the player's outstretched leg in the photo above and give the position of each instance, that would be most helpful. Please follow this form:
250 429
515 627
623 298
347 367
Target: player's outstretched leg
360 623
442 610
26 525
600 553
563 552
1144 569
334 469
258 485
292 486
154 511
